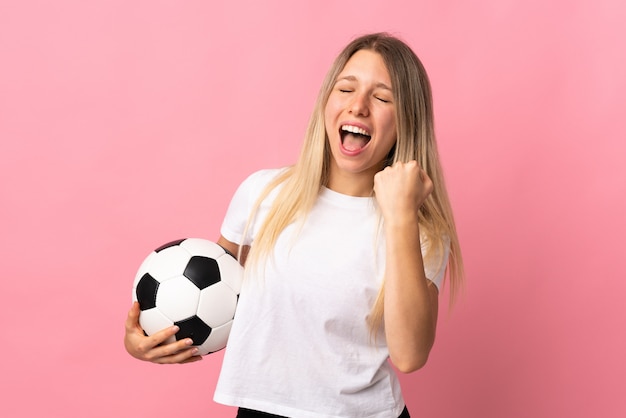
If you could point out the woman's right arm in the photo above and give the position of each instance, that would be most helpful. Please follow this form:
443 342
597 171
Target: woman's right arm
233 248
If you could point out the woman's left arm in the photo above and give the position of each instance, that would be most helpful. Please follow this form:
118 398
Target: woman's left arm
410 299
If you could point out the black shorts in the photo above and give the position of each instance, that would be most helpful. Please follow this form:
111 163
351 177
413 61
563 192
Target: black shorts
249 413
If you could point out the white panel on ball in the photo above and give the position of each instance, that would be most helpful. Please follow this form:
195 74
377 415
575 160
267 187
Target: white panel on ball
172 292
198 246
231 272
152 320
169 263
217 304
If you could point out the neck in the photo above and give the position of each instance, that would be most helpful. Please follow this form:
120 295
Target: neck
358 185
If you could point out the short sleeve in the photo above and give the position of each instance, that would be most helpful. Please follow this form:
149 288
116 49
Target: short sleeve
234 223
436 262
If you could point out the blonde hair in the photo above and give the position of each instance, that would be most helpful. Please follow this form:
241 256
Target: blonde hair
301 182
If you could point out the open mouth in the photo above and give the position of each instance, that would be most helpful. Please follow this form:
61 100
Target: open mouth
354 138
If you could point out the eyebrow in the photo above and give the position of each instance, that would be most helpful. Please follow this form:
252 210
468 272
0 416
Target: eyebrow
353 78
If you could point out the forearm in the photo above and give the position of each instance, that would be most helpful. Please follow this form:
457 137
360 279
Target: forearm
410 303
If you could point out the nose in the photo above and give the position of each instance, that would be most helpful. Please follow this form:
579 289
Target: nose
359 105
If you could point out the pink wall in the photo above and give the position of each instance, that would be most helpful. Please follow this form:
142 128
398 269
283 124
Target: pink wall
124 124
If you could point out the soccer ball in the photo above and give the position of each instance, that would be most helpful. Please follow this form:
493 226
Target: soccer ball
193 283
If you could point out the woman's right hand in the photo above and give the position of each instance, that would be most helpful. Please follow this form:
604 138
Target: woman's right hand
152 348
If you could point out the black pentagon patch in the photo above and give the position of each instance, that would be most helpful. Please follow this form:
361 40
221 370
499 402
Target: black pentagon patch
169 244
147 292
194 328
202 271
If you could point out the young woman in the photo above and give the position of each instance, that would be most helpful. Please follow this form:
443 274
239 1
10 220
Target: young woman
345 252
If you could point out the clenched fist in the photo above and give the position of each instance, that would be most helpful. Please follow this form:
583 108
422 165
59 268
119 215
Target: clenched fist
400 191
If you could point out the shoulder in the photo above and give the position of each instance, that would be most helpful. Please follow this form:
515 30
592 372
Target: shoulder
261 178
243 202
255 184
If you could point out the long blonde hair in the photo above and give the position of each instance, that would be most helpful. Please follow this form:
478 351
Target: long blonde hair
301 182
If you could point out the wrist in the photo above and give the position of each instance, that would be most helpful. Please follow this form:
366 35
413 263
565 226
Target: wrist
401 221
405 227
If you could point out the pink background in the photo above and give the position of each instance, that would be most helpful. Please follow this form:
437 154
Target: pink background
124 124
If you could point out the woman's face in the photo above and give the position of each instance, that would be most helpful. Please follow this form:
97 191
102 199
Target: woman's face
360 118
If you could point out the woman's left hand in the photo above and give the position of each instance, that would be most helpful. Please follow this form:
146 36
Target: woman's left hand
400 190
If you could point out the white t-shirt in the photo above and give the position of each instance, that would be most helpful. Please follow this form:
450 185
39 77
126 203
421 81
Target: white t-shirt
300 344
